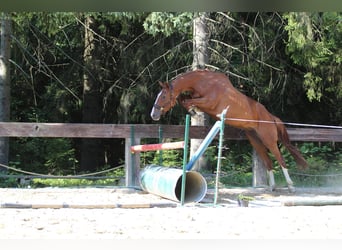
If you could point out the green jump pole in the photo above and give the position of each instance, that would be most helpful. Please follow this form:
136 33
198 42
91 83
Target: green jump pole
185 156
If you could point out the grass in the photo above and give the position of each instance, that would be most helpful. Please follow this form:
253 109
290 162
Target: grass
74 182
115 178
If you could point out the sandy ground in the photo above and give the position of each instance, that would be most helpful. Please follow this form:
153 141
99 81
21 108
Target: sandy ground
265 218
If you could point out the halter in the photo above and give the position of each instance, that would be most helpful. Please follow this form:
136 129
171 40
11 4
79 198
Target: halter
158 107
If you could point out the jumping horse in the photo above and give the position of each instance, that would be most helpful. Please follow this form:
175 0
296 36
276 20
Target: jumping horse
211 92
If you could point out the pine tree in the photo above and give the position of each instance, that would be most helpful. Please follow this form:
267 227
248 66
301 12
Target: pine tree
5 49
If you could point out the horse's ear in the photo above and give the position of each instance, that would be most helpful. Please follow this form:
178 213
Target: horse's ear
164 84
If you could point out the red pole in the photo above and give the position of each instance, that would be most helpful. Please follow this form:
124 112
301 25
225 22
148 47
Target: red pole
159 146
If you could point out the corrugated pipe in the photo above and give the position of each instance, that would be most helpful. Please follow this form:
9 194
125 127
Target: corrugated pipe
167 182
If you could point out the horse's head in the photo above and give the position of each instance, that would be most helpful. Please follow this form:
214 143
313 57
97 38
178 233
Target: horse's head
164 101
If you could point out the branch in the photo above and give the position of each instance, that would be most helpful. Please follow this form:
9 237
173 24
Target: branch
237 49
46 70
156 59
216 68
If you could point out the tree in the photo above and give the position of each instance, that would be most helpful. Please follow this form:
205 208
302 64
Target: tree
5 51
200 61
91 149
262 53
314 43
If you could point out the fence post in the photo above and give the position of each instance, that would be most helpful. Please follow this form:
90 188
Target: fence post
160 132
132 161
259 171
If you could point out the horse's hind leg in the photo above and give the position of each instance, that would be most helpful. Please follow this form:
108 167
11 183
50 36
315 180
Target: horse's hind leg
271 179
288 180
275 151
262 152
269 137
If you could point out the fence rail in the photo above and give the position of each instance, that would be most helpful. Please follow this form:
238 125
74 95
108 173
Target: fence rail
133 133
83 130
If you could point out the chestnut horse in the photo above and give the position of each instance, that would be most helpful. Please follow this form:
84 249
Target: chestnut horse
212 92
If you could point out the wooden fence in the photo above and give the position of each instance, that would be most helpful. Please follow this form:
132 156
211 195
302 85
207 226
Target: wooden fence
133 133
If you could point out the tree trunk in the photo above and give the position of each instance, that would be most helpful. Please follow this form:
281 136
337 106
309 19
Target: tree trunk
259 171
200 60
5 51
92 153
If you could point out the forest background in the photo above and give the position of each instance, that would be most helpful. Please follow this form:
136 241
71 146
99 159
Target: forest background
105 67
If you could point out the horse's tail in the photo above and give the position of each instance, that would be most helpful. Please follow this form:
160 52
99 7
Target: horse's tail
284 138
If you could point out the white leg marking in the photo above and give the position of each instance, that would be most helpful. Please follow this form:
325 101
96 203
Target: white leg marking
271 180
287 176
288 180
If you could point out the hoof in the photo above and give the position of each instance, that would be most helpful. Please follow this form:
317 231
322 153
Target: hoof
272 188
192 112
292 189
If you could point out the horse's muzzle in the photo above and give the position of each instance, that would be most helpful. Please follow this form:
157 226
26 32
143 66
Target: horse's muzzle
155 114
155 118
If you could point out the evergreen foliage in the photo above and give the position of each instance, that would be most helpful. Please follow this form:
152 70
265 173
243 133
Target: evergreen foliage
290 62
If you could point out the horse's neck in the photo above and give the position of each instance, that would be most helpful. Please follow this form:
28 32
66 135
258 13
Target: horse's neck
180 86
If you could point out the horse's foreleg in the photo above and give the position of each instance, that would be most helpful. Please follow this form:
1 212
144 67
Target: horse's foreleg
199 102
190 108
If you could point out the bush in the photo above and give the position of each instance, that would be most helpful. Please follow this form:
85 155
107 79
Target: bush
46 156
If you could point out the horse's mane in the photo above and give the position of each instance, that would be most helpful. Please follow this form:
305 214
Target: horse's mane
189 72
